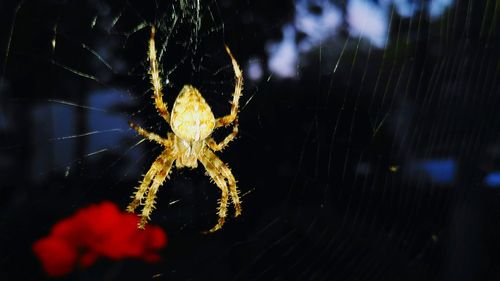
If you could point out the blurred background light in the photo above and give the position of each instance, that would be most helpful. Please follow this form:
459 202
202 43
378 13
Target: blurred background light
439 171
492 179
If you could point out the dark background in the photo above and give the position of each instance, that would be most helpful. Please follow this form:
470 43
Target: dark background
370 164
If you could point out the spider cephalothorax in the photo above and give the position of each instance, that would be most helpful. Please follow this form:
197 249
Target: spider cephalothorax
192 123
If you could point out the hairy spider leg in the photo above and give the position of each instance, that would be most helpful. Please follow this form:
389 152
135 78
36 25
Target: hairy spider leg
157 182
151 136
210 167
156 167
220 146
224 170
228 119
154 72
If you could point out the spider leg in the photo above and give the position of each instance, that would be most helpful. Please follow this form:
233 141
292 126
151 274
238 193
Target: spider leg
219 146
154 73
228 119
150 136
157 181
146 182
224 170
210 167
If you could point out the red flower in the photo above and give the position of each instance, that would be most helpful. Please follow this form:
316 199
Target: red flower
97 231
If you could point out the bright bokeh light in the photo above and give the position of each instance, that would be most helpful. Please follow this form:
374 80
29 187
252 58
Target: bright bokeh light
440 171
254 69
438 7
492 179
321 20
284 55
316 26
368 20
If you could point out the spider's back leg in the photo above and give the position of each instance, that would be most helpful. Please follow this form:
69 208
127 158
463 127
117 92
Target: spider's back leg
212 171
157 181
224 170
146 182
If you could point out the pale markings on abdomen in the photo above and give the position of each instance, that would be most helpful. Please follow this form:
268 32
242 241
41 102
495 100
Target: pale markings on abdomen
197 118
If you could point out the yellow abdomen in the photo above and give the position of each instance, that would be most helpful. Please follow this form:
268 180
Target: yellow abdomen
192 119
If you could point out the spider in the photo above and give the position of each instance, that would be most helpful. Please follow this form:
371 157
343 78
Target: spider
192 122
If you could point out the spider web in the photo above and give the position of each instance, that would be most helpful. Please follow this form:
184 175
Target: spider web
368 138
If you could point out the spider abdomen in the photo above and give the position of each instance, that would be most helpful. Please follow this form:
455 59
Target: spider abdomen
192 119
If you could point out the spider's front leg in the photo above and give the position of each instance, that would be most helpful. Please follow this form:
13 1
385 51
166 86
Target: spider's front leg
228 119
155 77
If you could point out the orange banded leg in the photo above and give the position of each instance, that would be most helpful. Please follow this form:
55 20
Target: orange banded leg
220 146
151 194
150 136
221 183
155 78
146 182
224 170
228 119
